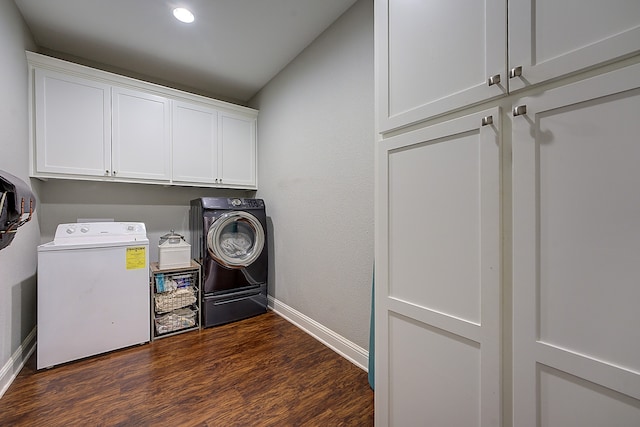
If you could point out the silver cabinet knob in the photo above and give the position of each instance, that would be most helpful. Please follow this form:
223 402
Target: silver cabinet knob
519 110
493 80
488 120
106 172
515 72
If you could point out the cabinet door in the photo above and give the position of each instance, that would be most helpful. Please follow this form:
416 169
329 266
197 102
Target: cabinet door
72 125
551 38
238 150
576 246
141 135
437 289
195 143
437 56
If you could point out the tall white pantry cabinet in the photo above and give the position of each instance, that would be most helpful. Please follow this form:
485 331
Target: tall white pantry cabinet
507 213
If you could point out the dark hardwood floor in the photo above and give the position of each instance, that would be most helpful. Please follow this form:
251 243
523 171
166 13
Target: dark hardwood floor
261 371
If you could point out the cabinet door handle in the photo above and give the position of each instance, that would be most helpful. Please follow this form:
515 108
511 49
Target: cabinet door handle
493 80
106 172
487 120
519 110
515 72
114 173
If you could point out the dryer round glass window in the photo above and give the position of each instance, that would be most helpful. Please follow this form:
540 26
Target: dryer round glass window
235 239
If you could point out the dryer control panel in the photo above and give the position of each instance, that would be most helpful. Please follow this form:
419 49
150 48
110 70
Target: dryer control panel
230 203
246 203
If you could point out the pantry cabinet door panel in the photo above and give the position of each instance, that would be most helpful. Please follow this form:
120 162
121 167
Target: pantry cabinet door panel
551 38
437 56
195 143
438 275
434 376
72 125
576 225
141 135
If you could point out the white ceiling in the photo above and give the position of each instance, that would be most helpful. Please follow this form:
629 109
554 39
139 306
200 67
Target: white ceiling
232 50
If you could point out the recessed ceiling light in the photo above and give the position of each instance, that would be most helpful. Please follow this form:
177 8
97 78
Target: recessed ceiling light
183 15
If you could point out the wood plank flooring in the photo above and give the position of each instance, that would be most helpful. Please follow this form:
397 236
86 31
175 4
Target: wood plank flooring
261 371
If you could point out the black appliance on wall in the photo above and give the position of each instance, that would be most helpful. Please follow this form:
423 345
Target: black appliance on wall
229 240
17 204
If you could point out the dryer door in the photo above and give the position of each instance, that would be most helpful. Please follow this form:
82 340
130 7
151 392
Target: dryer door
236 239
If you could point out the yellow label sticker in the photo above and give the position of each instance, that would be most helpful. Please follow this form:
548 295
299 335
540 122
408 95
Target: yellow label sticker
136 257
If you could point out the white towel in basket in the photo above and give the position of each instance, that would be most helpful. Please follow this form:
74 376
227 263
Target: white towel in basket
172 300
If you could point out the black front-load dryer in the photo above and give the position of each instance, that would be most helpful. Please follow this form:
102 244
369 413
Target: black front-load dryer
229 240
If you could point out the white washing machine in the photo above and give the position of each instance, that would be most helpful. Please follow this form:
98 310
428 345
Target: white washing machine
93 291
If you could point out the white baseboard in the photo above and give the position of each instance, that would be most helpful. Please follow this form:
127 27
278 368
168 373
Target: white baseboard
16 362
350 351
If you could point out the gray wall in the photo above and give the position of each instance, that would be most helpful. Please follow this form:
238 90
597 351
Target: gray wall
316 170
18 260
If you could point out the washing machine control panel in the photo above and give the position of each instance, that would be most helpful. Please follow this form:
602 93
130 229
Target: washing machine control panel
107 231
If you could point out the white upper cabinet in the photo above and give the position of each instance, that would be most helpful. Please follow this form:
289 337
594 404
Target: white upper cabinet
88 124
72 125
437 56
238 150
213 147
551 38
141 135
195 130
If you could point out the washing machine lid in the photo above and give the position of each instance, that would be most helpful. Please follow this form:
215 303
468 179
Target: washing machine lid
235 239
